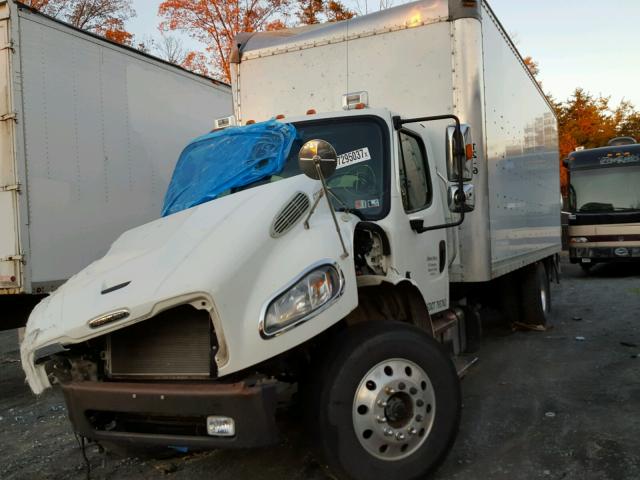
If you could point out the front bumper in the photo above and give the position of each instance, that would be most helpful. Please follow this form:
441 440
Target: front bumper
604 254
172 414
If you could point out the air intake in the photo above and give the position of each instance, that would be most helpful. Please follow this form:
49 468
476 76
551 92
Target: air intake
290 214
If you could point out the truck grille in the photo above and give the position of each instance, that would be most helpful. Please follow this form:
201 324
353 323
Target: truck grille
175 344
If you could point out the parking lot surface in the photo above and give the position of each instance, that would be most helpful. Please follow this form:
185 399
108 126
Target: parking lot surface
558 404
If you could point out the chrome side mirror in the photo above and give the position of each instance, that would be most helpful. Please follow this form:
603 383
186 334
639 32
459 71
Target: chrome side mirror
317 159
457 198
459 146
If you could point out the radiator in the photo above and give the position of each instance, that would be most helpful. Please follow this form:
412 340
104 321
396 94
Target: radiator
175 344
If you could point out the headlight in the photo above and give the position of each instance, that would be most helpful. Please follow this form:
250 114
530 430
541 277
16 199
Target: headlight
313 291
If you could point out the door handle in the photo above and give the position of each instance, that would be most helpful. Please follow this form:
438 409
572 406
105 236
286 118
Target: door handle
417 226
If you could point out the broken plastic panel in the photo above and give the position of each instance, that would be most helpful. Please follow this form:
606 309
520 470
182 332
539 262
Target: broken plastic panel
227 159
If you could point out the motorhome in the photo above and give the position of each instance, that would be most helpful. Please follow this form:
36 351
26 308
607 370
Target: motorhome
604 201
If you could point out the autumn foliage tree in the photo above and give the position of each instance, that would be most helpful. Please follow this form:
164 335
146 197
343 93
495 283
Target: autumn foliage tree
103 17
215 23
317 11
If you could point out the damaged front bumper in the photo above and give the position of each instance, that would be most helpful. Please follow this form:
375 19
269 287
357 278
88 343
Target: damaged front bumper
172 414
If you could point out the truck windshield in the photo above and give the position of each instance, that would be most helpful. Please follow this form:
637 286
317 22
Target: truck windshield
361 178
225 162
606 189
361 181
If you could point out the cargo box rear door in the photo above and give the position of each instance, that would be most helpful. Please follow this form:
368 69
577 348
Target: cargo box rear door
10 258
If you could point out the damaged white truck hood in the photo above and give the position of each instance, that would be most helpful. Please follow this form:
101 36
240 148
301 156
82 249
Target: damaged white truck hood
221 250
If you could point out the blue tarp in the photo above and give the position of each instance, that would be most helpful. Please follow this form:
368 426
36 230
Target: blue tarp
230 158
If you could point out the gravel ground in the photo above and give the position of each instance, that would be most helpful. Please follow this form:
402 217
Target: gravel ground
560 404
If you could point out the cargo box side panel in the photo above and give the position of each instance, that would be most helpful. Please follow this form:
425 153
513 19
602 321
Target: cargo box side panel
10 260
522 155
104 128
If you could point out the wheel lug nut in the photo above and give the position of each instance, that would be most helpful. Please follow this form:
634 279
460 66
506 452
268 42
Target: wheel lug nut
388 432
413 431
400 436
382 403
389 391
418 418
381 419
413 390
402 386
420 403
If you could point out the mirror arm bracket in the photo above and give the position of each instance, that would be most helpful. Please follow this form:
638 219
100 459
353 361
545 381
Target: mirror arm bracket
398 122
325 190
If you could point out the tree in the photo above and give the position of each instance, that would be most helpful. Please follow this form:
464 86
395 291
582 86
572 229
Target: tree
627 120
362 6
533 66
215 23
317 11
198 63
171 49
585 120
103 17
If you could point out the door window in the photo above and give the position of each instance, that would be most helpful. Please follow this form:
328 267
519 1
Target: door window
415 184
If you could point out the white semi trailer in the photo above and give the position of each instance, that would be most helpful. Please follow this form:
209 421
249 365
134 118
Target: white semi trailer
89 134
409 173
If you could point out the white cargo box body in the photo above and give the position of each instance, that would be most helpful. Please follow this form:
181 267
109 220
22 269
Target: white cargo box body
89 134
430 57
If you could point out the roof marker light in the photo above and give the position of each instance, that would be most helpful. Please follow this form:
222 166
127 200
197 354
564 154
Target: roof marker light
250 122
311 111
280 116
225 122
355 100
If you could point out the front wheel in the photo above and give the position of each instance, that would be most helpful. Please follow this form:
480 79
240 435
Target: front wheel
388 402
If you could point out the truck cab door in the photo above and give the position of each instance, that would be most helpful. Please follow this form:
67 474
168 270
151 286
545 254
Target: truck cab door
425 253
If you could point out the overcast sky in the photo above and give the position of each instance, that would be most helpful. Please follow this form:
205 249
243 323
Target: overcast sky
592 44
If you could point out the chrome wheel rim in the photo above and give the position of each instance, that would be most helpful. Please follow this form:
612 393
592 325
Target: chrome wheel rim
393 409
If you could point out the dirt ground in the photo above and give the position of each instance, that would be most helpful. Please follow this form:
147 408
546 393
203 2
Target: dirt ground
561 404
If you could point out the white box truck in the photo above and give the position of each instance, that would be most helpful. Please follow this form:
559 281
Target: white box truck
403 170
89 134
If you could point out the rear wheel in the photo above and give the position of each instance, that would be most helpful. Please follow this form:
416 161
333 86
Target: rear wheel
387 403
535 293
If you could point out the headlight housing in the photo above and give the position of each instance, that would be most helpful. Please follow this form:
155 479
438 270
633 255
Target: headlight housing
311 293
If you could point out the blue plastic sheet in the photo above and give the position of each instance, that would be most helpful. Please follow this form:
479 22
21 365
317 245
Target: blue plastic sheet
231 158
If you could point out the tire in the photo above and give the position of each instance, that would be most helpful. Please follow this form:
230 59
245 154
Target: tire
586 267
510 298
535 293
423 403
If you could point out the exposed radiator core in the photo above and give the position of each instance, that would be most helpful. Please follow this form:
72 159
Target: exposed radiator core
173 344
